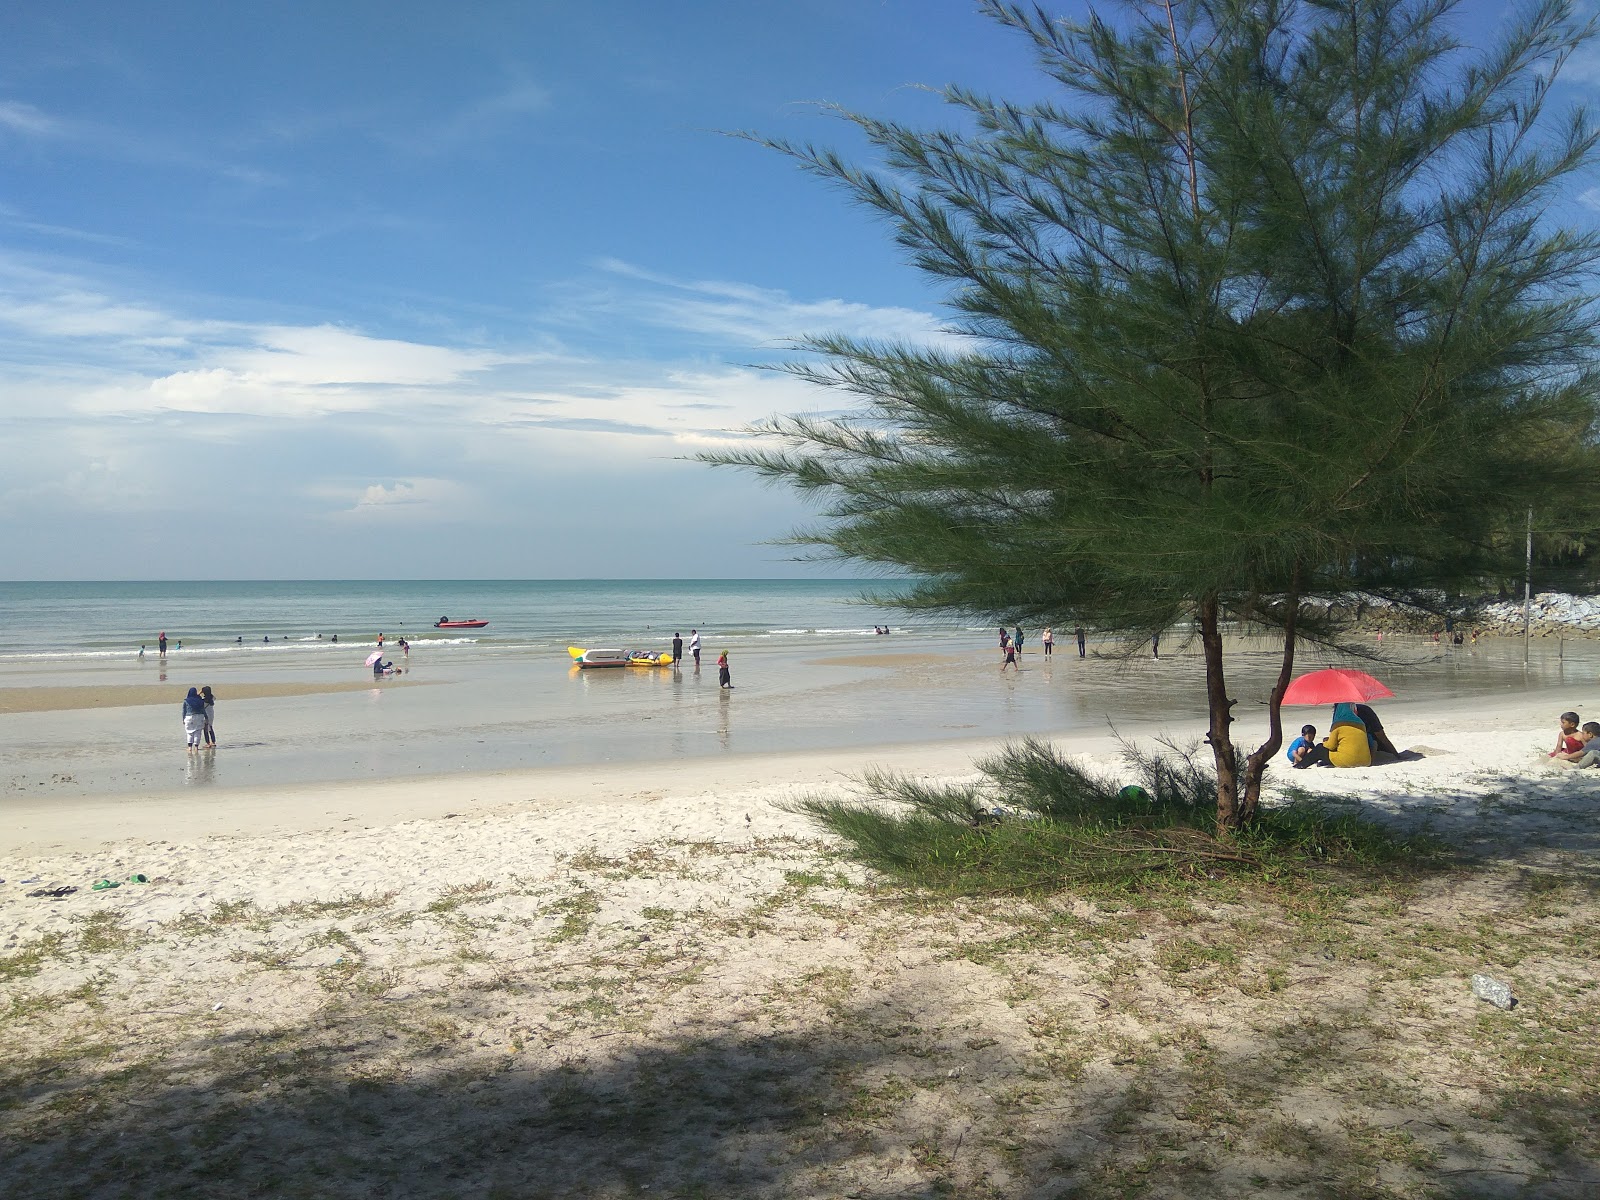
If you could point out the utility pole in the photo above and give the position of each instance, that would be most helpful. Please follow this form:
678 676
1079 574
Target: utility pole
1527 598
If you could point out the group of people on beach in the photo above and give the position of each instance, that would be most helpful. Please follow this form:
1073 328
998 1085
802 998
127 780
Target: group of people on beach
199 724
1355 739
1011 645
724 672
1575 744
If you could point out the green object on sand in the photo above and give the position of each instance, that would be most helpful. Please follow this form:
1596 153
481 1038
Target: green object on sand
106 884
138 878
1134 794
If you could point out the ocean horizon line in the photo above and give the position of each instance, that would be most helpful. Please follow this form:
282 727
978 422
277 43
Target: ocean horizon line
497 579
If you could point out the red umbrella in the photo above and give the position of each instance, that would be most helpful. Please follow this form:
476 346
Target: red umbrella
1335 685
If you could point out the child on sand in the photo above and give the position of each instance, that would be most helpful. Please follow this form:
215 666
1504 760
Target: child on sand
1588 754
1345 746
1010 659
1568 741
1303 744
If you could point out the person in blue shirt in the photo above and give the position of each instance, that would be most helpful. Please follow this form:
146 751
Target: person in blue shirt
1302 745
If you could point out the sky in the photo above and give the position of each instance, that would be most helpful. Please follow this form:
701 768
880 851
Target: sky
417 290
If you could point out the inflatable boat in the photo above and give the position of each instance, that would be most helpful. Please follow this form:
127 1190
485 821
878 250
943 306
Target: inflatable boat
618 658
598 658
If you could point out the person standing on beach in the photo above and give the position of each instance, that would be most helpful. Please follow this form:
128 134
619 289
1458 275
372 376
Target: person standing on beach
677 648
1010 659
161 643
194 718
211 717
406 647
1078 633
1048 640
1017 638
724 677
694 646
1155 645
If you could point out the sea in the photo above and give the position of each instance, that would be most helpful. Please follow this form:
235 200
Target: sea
62 622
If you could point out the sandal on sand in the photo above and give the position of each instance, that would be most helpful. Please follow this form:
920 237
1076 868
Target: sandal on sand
53 893
105 885
138 879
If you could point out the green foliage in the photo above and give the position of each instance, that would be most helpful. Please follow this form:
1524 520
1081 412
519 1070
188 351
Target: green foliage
1038 822
1265 304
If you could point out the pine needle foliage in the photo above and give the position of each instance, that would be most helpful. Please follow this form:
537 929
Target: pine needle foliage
1037 823
1265 304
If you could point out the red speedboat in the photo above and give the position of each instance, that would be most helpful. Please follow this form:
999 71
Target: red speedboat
443 624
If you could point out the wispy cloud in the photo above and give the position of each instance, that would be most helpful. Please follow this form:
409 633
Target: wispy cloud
477 121
756 316
115 403
27 120
471 123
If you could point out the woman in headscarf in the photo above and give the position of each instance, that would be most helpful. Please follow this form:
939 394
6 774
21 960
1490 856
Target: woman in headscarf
1346 744
194 717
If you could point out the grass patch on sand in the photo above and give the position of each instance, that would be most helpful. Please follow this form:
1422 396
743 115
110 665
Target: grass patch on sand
29 958
1037 823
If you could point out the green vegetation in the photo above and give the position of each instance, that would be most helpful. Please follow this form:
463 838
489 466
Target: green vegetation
1038 822
1264 305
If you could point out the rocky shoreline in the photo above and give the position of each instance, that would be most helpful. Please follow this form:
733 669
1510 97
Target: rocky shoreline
1554 614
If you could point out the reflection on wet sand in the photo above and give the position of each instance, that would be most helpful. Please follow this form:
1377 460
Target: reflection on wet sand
506 712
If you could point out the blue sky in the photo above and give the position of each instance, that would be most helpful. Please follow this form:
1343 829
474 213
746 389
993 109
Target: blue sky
425 290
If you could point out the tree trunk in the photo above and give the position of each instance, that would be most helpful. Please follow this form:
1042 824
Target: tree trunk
1221 709
1256 764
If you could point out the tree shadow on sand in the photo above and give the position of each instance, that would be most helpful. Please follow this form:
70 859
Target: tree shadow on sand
1532 820
855 1105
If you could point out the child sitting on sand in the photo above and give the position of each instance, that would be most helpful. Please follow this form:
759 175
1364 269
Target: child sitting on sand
1569 741
1303 744
1587 754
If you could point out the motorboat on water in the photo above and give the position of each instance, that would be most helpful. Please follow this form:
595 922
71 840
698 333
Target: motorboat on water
446 623
618 658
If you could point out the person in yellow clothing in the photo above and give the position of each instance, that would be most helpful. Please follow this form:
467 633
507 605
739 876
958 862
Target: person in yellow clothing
1346 744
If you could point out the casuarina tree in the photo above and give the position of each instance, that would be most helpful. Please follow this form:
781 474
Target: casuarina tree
1267 303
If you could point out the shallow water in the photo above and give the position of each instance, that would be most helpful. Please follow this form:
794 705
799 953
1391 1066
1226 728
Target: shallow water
494 710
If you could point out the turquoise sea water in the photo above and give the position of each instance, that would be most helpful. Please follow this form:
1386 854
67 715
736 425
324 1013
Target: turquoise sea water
45 621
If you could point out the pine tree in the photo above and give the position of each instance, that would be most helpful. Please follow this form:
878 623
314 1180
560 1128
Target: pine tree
1266 306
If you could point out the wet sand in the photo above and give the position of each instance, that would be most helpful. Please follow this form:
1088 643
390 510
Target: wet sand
133 695
291 724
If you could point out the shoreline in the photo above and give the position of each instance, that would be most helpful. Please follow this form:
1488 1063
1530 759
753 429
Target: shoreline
82 698
44 824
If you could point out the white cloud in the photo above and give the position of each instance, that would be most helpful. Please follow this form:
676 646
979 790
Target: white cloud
414 499
120 412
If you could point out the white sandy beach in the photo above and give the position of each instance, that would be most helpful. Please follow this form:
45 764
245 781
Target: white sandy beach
597 933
